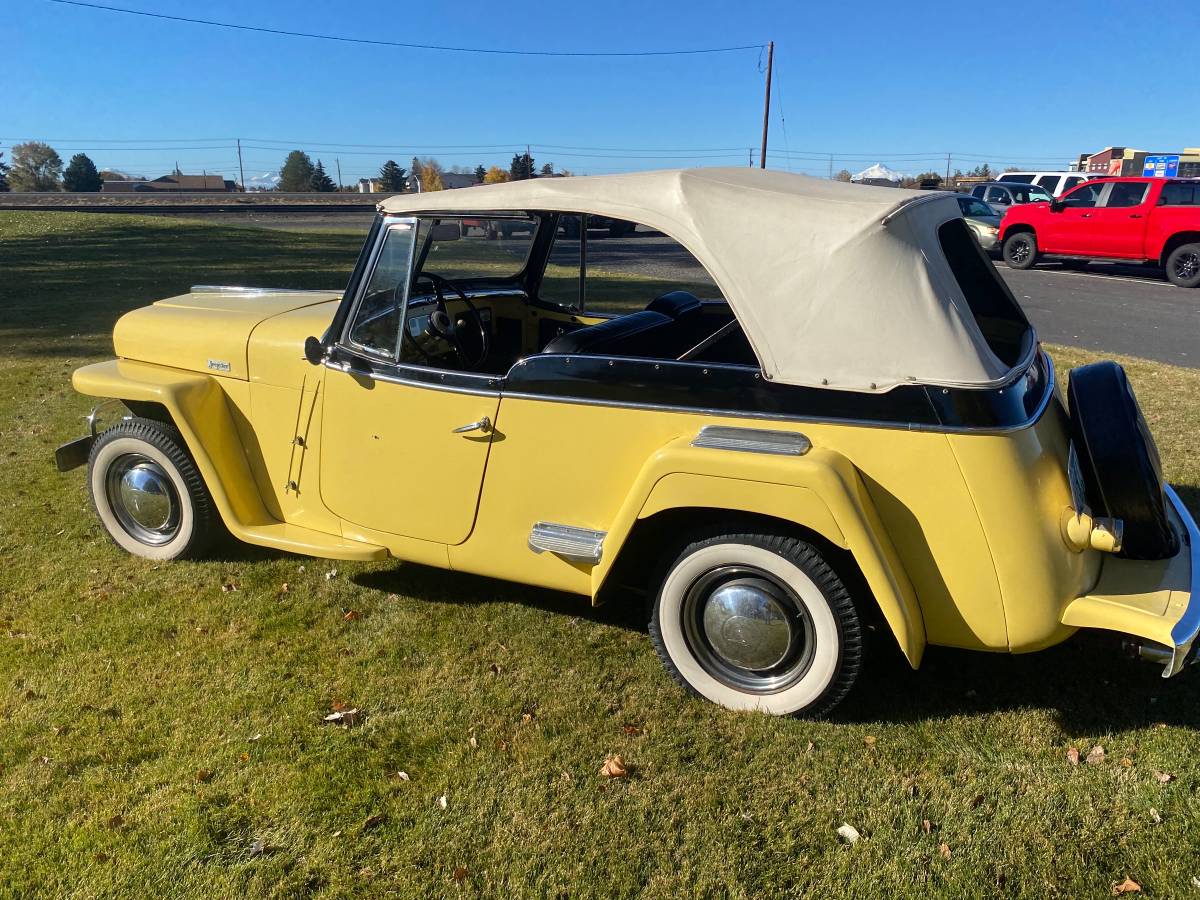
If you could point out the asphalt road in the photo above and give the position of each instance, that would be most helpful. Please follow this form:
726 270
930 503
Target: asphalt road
1115 309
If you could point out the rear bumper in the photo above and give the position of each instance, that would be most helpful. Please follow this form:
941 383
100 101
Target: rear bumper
1153 601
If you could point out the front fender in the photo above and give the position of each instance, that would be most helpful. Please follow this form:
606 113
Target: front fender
199 410
820 490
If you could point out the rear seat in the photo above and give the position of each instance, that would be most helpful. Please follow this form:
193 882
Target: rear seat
663 330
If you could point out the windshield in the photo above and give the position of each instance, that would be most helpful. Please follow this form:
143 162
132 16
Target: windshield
1031 194
475 247
972 207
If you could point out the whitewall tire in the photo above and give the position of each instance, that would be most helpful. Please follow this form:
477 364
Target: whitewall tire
757 622
147 492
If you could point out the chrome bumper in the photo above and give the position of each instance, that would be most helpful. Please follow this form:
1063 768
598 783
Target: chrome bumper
1183 635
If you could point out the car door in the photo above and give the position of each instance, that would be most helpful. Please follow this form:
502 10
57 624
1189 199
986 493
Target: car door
403 447
1072 230
998 198
1119 224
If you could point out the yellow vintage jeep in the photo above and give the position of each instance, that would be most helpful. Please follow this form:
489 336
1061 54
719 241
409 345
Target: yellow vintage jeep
855 420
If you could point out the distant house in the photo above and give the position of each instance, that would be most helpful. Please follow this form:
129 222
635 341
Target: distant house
175 183
368 185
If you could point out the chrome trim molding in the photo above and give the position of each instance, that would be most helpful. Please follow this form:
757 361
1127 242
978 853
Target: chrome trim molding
1183 635
752 440
568 541
93 417
242 289
431 385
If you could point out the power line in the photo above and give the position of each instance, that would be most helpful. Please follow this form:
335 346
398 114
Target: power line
408 46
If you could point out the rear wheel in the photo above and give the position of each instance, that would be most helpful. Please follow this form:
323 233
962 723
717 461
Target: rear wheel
148 493
1020 250
757 621
1183 266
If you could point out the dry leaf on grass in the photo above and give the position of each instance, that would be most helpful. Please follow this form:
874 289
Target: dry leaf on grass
460 874
944 849
1128 886
1155 816
400 776
631 729
331 574
614 767
228 587
351 614
1095 756
869 740
204 775
926 826
116 821
374 821
1073 756
442 802
848 833
1163 777
346 718
472 743
494 668
283 588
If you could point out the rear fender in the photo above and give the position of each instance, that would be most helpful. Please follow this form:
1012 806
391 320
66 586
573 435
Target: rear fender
199 410
820 491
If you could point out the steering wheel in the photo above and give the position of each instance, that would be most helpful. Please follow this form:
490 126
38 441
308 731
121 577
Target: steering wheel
441 325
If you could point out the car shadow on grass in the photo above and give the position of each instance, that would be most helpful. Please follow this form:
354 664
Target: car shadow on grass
433 585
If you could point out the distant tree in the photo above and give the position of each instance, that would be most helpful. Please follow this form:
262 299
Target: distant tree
843 175
392 177
496 175
548 169
984 171
480 174
113 175
522 167
35 167
321 182
81 175
296 176
431 175
3 175
1013 169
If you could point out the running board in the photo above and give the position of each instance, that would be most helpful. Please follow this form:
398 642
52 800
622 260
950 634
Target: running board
568 541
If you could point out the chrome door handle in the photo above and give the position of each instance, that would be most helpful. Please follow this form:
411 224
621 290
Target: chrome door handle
484 425
1135 215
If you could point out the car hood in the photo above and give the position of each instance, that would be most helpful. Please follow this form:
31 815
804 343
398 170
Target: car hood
209 331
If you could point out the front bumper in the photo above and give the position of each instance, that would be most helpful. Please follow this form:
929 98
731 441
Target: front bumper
1152 601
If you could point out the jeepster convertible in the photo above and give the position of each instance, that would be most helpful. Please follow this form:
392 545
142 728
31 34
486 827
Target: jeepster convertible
856 419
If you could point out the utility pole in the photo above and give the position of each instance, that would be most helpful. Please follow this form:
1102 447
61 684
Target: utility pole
831 167
241 168
762 164
339 168
947 184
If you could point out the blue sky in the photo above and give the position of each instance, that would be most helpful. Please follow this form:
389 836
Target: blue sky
901 84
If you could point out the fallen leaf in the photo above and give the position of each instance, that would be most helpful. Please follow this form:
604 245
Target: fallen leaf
442 802
331 574
204 775
245 757
494 668
1163 777
256 737
1095 756
337 833
848 833
60 730
351 614
228 588
258 848
472 743
977 801
1126 762
944 849
116 821
614 767
909 786
300 570
926 826
374 821
400 776
630 728
347 718
869 740
1128 886
809 747
1073 756
283 588
460 873
526 718
339 705
1154 814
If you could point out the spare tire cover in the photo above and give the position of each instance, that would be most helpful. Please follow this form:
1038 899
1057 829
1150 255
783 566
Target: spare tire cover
1119 461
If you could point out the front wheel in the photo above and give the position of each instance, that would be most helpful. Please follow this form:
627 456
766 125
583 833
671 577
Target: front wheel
1020 250
148 493
754 621
1183 266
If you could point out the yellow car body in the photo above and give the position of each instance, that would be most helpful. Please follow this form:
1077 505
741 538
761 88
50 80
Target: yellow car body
964 536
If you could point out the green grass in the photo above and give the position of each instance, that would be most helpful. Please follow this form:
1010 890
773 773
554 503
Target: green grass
154 727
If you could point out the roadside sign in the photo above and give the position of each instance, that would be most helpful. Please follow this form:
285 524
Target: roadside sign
1164 166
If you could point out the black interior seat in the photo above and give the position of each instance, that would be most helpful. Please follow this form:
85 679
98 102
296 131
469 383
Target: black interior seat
663 330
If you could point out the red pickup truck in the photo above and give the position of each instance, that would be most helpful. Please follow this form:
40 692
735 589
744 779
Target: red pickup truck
1152 220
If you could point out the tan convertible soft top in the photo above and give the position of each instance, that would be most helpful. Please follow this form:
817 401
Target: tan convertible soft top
835 285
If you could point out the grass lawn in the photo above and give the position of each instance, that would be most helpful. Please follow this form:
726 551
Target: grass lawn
161 725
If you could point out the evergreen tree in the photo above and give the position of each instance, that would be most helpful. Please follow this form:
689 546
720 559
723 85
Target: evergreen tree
522 167
480 173
3 175
297 173
35 167
81 175
321 182
392 177
548 169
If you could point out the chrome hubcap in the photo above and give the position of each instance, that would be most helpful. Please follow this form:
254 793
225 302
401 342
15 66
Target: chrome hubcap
143 498
747 629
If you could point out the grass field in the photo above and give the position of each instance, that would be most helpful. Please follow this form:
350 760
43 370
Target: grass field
161 726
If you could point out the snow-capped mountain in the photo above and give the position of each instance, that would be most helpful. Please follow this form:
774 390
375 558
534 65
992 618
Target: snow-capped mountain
879 171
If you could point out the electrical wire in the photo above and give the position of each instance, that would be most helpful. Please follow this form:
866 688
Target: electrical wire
406 45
